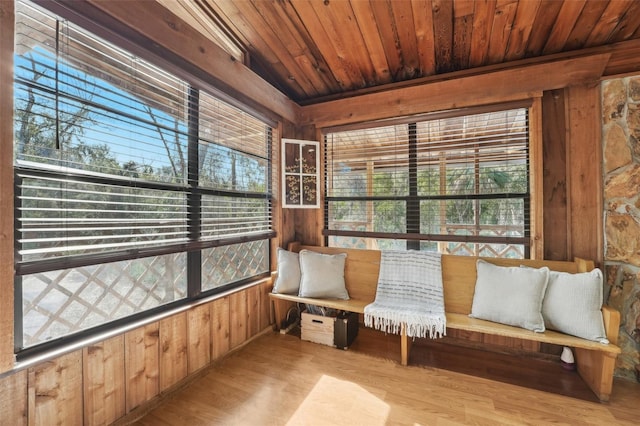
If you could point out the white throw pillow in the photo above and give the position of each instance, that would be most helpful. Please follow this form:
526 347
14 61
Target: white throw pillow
322 275
573 304
288 279
510 295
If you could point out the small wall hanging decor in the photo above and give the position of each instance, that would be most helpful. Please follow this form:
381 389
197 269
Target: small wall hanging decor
300 173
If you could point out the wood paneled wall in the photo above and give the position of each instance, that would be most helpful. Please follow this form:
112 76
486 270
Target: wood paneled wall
569 125
304 225
459 91
584 172
555 180
572 150
101 383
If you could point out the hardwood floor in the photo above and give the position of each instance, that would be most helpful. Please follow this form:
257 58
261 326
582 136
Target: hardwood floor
281 380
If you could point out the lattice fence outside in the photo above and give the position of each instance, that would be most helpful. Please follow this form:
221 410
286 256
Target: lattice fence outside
227 264
62 302
58 303
514 251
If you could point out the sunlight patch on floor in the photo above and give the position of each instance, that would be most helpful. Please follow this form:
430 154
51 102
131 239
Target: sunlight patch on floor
339 402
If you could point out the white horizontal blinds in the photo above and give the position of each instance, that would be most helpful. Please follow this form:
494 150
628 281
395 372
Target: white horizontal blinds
496 143
234 151
483 160
225 216
457 176
234 148
100 146
363 165
85 104
59 216
353 155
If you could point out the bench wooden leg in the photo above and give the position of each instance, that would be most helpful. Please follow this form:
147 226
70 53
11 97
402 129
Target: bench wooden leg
596 369
405 346
280 308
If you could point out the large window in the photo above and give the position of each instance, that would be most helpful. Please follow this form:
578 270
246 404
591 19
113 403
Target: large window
135 189
456 184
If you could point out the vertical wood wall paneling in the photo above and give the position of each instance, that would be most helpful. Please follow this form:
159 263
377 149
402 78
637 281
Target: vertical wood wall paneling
199 329
304 225
6 184
253 310
142 365
55 391
555 177
220 343
173 350
584 173
265 305
13 399
536 179
307 223
237 319
104 381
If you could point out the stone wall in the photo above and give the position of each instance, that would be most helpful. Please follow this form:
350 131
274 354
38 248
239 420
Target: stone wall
621 144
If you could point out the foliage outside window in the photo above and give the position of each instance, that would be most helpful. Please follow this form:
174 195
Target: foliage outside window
456 184
134 189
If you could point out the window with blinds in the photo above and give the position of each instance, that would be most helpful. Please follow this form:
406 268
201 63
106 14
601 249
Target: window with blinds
127 179
456 184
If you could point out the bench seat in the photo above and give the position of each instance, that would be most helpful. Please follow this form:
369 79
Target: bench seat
466 323
595 361
351 305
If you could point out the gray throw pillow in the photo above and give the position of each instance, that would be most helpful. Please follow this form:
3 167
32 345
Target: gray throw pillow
288 279
510 295
322 275
573 305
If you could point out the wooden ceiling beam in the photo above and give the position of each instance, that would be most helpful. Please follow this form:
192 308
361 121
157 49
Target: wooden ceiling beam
624 59
490 87
170 32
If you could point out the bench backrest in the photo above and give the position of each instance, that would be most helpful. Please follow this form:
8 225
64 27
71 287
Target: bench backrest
458 273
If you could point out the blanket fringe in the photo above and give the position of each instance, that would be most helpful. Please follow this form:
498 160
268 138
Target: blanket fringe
416 326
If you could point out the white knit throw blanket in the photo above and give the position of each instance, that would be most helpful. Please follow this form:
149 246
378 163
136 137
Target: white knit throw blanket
409 292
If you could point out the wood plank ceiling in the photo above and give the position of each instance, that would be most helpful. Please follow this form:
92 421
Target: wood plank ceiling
315 50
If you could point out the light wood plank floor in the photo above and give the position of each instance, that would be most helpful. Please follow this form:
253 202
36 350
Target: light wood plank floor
281 380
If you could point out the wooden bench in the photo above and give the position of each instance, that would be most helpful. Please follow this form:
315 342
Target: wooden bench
595 361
